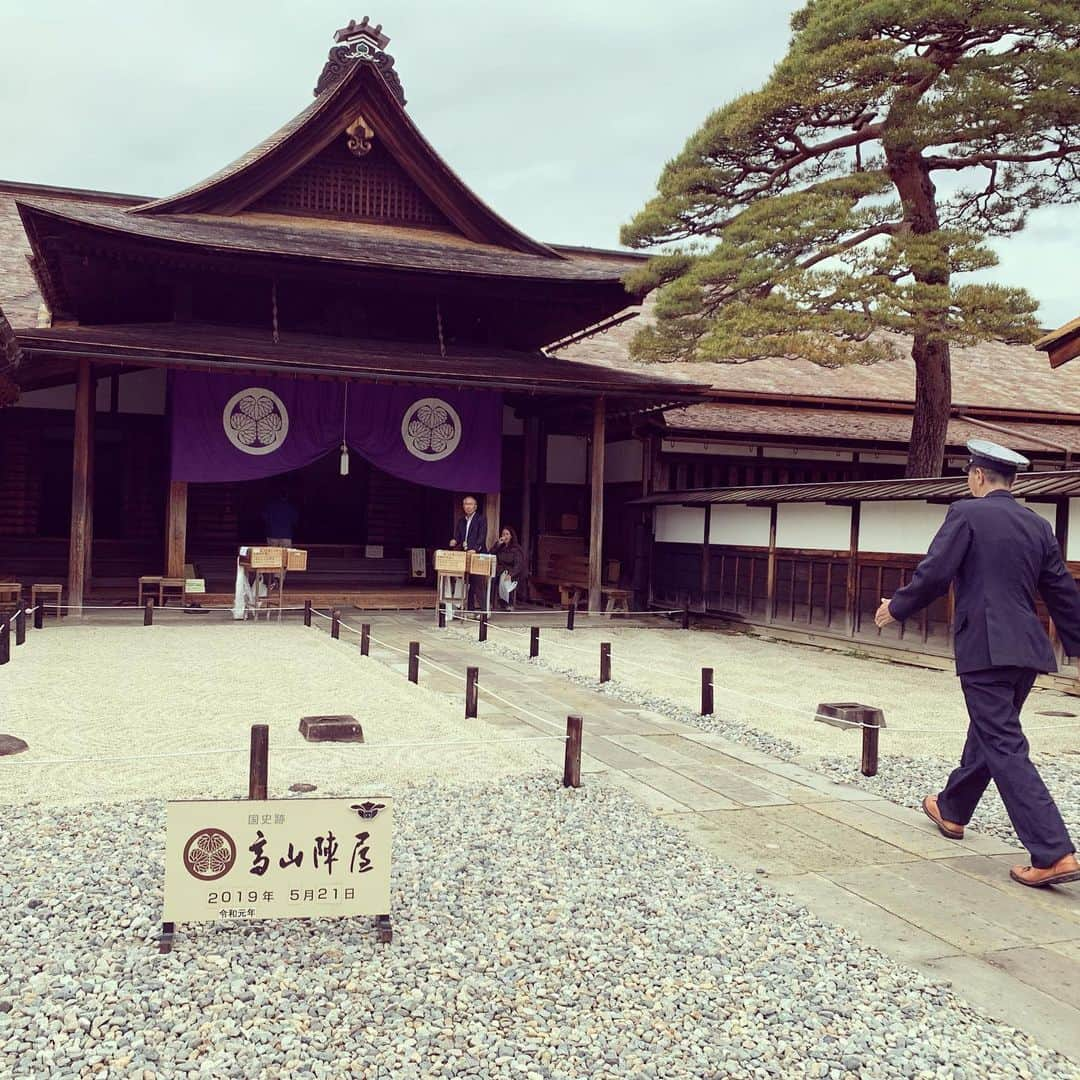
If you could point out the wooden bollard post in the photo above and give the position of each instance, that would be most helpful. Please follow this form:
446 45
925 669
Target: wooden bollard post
570 609
706 691
335 623
39 615
148 612
5 642
307 612
870 732
483 628
365 639
686 615
259 761
572 765
472 676
534 642
20 626
605 661
414 661
442 617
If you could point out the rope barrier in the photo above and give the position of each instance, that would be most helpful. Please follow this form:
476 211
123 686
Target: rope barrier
287 749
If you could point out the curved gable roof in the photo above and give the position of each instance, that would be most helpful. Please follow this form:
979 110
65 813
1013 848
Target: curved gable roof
362 91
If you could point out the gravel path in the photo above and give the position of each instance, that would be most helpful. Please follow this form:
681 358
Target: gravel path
773 670
93 692
539 933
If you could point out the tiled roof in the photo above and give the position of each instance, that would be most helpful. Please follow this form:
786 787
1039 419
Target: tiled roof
356 243
19 295
849 425
989 375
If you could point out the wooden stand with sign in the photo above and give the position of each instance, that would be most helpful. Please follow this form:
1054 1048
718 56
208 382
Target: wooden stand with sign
258 774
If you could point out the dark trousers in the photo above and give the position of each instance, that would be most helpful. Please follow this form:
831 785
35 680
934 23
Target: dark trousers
996 749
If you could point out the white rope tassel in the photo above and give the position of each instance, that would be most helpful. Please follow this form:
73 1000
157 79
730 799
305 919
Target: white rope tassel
344 428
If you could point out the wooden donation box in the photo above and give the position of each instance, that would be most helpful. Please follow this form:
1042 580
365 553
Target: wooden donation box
451 571
272 563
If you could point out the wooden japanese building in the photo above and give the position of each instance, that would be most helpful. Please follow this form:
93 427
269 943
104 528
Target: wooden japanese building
341 249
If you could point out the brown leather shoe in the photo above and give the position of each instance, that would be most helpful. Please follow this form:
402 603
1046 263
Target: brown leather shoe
1065 869
947 829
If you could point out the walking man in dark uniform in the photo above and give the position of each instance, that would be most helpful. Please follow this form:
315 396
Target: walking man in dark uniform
999 554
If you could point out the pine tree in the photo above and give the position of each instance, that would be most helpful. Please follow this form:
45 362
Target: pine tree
808 214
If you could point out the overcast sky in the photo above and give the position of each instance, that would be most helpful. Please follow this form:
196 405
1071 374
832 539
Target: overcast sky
560 115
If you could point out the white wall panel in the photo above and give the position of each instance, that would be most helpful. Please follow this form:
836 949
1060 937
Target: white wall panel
141 392
566 459
1072 548
680 525
693 446
622 462
813 525
747 526
1045 510
902 527
805 453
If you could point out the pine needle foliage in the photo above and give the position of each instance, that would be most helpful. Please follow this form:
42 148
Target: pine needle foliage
852 192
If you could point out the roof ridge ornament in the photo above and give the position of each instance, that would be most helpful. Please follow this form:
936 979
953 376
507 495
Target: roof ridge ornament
359 42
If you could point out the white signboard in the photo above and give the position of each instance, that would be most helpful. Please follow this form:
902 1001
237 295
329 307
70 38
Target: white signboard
277 858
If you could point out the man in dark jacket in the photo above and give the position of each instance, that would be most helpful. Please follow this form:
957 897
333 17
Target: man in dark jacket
999 554
470 534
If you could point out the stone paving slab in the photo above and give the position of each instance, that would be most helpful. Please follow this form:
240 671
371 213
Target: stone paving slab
682 788
878 927
1047 970
905 891
918 822
1000 994
791 790
733 786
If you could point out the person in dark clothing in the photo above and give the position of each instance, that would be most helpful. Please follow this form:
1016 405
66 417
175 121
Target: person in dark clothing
470 534
999 554
280 517
510 566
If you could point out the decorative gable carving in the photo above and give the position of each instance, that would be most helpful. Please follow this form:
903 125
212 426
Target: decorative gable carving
337 184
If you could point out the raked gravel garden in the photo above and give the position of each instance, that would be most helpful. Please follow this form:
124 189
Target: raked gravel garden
539 932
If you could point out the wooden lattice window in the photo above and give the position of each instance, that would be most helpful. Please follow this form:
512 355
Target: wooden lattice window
335 184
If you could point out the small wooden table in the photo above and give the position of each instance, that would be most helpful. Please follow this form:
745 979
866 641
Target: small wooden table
10 592
171 586
149 584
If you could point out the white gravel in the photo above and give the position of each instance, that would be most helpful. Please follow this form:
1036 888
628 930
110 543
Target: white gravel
539 933
96 692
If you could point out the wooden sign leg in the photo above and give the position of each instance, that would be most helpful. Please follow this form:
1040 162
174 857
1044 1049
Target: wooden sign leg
384 931
165 941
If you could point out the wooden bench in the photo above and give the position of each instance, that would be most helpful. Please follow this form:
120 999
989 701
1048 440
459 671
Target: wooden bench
570 575
40 592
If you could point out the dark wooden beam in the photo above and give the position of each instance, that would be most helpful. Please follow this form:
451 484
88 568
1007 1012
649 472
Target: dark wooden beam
596 517
81 519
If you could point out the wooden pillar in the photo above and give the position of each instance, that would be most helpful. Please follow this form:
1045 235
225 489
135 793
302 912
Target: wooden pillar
492 511
770 573
91 429
540 509
81 518
596 517
176 529
705 560
852 594
1061 526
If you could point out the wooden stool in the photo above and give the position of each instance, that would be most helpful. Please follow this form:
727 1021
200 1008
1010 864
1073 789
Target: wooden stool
10 592
43 591
148 585
171 586
617 600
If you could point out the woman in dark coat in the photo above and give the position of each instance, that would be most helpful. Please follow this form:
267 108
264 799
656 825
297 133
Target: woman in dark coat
511 566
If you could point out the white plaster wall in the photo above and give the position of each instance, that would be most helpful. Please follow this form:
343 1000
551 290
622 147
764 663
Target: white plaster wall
680 524
902 527
693 446
140 392
566 459
512 424
883 459
732 523
1072 548
1047 511
622 462
803 453
813 525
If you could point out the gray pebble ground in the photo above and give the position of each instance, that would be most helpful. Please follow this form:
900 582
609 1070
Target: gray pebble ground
902 780
539 933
